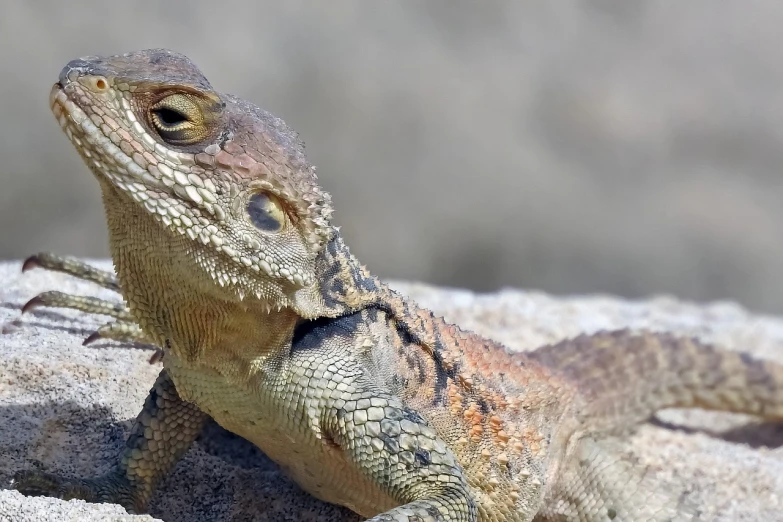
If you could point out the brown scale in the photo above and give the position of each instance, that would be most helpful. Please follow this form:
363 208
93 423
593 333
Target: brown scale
475 359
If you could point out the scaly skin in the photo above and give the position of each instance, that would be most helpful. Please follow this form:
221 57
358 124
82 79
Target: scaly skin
227 259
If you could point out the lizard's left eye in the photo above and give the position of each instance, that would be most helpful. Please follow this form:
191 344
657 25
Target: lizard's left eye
266 212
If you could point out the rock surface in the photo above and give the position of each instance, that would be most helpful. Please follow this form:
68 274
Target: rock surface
67 408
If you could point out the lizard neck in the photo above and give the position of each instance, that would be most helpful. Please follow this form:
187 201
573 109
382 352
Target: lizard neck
177 304
181 308
346 285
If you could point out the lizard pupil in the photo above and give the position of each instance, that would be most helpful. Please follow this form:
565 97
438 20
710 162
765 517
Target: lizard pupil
170 116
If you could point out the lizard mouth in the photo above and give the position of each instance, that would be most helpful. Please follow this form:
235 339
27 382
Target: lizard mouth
75 122
95 142
62 107
129 167
124 166
53 94
87 138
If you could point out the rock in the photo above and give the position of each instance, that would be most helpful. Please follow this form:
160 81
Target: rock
67 408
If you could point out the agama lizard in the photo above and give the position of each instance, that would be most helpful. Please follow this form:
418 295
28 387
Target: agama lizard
227 259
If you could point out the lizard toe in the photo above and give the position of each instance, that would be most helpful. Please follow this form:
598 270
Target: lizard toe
111 488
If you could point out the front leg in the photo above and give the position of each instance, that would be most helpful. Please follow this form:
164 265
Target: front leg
122 328
396 448
163 432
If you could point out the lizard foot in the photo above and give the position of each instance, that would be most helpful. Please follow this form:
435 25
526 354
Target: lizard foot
123 328
111 488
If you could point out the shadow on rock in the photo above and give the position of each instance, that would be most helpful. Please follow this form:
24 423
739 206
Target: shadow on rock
222 478
754 434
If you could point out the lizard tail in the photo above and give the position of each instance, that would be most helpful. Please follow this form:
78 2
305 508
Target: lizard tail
627 377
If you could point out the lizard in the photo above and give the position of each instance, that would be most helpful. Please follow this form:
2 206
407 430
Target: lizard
227 259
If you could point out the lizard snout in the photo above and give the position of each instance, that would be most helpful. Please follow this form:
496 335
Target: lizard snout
74 70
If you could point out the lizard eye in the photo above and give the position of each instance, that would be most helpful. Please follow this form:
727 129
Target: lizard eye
168 118
266 212
178 120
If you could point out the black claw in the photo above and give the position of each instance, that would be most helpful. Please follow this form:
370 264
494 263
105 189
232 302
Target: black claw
30 263
32 304
92 338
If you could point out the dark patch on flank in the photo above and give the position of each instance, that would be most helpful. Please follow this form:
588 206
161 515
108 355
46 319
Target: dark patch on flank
413 416
416 365
392 446
150 404
338 287
404 329
441 382
312 333
442 376
328 440
747 359
422 456
406 336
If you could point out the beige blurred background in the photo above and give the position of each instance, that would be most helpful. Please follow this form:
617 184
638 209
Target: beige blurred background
631 147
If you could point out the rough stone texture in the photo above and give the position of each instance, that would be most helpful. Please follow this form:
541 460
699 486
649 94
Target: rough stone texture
68 407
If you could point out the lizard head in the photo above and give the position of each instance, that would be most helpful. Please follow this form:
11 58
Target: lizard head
225 176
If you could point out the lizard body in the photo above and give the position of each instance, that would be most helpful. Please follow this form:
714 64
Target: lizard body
227 259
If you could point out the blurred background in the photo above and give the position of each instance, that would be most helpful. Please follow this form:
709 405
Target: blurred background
632 148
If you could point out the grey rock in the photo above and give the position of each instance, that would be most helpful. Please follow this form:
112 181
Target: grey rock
67 408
